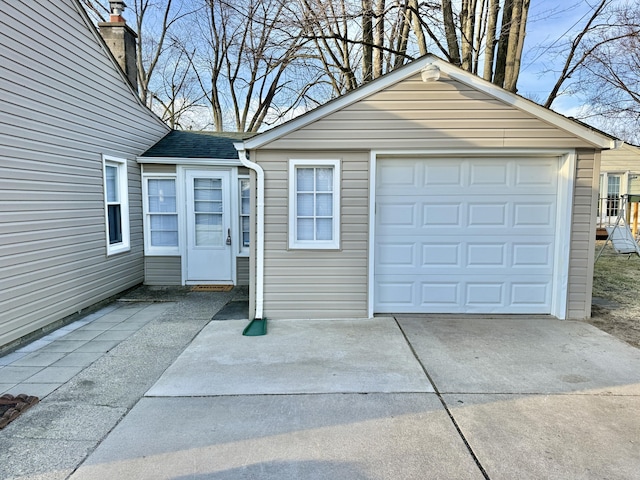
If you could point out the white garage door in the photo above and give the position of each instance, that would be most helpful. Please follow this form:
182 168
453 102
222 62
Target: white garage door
460 235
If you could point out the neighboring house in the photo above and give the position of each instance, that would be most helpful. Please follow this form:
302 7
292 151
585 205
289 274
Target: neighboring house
619 175
406 196
196 210
71 127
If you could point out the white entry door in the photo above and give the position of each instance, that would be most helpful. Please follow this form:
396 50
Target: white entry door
465 235
209 250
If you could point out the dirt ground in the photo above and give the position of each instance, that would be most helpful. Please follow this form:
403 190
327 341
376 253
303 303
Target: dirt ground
616 295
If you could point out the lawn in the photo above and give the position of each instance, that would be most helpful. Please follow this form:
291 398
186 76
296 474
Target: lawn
616 292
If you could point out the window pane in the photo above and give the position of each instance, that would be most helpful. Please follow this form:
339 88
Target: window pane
162 196
324 204
324 179
304 178
115 224
324 229
305 229
305 204
112 183
208 229
164 222
164 239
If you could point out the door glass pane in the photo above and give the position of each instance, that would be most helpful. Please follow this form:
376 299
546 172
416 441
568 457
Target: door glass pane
208 209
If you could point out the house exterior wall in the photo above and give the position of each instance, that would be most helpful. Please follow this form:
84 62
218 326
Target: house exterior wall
162 270
63 104
585 197
314 283
414 117
622 160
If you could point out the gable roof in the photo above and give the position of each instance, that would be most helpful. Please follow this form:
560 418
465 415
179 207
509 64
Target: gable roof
189 144
580 130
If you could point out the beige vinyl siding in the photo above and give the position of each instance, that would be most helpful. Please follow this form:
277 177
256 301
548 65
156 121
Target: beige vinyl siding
316 283
63 104
583 235
242 270
414 114
162 271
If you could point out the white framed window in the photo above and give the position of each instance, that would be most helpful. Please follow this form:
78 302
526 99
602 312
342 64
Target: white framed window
161 215
244 189
314 204
116 202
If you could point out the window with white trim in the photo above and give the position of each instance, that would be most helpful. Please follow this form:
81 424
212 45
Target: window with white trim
314 204
245 211
116 200
161 215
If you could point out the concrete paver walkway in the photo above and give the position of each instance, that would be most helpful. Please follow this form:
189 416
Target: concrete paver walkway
385 398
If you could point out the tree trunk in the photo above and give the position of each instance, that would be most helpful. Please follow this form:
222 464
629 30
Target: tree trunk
378 53
450 32
367 40
490 42
417 27
515 44
501 56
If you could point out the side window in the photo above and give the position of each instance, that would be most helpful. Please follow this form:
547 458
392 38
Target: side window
245 210
161 215
314 204
116 199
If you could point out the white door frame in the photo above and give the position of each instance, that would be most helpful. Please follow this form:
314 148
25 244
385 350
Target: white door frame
181 180
566 174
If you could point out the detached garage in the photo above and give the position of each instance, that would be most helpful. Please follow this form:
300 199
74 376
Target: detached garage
406 196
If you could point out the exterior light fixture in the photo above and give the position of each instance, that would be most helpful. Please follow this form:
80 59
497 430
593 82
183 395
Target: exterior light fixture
430 73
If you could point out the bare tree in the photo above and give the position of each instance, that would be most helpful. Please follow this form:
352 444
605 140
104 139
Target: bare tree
250 46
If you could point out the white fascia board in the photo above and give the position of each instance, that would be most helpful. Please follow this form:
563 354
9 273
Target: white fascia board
217 162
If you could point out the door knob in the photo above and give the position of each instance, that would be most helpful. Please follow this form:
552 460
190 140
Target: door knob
228 236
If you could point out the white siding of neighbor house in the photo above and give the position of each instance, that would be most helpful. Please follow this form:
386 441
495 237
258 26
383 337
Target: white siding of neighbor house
622 160
63 104
408 116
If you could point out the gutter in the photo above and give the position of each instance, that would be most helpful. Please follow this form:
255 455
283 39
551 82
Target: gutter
242 155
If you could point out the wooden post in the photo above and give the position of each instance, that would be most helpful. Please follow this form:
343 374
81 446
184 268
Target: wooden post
634 214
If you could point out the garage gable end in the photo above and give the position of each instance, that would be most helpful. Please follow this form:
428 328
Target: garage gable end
401 110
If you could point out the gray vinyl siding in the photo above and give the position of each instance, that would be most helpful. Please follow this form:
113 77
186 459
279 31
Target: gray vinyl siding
162 271
242 270
583 235
316 283
412 114
62 105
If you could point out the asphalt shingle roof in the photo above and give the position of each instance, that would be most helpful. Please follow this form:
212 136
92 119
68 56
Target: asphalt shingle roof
189 144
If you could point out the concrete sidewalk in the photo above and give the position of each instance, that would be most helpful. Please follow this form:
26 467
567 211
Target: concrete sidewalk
385 398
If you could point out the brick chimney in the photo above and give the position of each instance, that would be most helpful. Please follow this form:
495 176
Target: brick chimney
121 40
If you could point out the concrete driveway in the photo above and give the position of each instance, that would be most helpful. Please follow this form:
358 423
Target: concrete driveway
405 397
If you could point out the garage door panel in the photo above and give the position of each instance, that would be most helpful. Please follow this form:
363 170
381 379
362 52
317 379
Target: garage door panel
472 212
479 239
450 294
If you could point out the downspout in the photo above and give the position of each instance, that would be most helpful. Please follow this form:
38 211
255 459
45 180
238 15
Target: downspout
242 155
